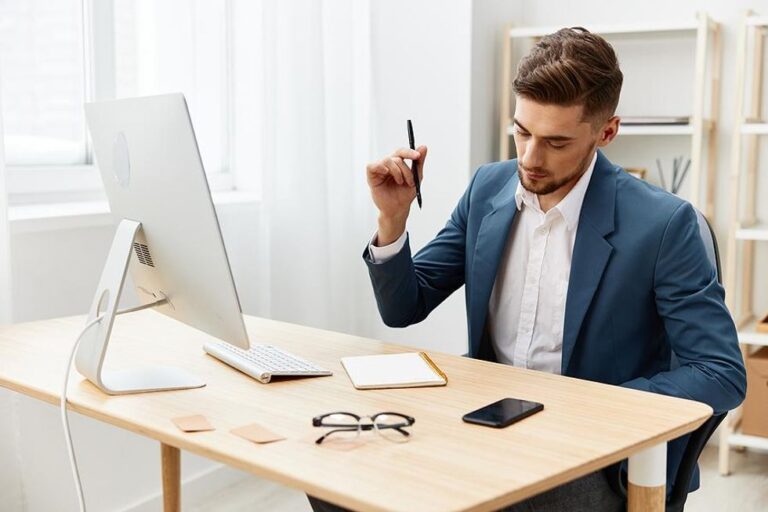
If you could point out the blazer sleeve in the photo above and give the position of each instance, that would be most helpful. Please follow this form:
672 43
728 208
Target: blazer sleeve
408 288
699 327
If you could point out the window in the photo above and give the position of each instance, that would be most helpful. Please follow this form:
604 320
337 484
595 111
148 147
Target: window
43 88
57 54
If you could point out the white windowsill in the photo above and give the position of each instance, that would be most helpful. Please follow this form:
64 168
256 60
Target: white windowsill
53 216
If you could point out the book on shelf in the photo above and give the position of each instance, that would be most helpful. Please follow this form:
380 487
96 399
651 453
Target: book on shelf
654 120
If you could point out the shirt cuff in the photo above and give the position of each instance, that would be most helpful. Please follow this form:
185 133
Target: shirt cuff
387 252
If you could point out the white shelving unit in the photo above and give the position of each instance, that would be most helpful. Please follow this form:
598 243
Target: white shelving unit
758 231
620 29
646 129
656 129
737 439
755 128
748 335
745 230
705 88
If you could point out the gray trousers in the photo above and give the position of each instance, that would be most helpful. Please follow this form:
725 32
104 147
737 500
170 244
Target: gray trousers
590 493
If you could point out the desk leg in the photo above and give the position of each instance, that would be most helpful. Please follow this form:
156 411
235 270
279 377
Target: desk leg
171 463
647 480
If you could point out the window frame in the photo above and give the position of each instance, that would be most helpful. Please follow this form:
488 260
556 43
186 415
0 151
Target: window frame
42 184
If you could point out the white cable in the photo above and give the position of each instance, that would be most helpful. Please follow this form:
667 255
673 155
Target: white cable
63 402
65 418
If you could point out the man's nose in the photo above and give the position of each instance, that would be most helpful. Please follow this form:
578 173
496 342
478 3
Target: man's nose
533 157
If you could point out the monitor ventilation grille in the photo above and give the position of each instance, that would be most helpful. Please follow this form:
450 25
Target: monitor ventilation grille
142 252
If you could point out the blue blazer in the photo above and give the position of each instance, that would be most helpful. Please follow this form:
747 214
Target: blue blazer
644 309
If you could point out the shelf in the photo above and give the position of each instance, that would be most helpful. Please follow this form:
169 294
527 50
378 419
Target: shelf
755 128
628 29
757 231
647 129
739 439
749 336
656 129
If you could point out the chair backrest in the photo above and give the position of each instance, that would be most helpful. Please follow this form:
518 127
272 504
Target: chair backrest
696 443
710 243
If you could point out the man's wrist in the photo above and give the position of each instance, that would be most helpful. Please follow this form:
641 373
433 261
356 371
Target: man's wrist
390 229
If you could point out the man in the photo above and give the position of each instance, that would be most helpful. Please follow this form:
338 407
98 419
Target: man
571 266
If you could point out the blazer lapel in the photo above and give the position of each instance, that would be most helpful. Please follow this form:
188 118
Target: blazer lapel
591 251
489 246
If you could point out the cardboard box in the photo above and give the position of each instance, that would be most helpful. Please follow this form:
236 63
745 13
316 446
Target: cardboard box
754 420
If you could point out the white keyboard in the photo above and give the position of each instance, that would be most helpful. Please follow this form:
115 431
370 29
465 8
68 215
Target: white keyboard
262 362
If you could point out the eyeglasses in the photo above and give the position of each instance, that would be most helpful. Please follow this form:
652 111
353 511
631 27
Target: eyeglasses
390 425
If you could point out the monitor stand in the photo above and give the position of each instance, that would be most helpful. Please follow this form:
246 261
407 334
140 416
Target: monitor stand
93 345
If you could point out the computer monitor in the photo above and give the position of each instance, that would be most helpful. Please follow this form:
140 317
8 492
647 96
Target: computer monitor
167 235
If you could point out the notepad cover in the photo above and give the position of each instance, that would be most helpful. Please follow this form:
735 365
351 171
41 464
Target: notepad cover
406 370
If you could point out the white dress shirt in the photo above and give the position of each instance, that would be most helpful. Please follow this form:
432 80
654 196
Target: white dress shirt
526 311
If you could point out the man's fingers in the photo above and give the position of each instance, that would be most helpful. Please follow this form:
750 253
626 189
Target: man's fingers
395 167
407 172
406 153
377 168
390 168
394 171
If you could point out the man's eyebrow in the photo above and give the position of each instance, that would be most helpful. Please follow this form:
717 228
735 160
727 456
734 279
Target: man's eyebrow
561 138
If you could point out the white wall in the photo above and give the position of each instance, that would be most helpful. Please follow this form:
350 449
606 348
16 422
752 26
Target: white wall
421 59
438 68
10 479
11 489
489 17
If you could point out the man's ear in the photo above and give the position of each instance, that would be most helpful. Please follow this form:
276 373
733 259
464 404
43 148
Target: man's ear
608 131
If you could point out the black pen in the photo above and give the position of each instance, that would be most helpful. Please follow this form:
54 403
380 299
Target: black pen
414 164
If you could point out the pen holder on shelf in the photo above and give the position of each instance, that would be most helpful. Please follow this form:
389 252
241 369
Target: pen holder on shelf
679 172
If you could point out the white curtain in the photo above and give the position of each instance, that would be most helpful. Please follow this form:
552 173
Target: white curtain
10 479
305 125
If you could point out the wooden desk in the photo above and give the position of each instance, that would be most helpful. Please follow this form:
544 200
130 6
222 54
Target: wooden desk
447 466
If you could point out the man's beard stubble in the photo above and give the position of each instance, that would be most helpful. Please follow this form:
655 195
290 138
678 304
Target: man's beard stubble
543 189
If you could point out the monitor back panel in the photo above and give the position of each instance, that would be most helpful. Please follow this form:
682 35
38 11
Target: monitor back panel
150 164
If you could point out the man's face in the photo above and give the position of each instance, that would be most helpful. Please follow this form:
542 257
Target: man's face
555 145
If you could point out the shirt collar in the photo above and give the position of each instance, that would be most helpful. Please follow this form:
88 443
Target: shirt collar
570 206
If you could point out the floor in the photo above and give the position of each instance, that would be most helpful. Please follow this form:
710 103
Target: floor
744 491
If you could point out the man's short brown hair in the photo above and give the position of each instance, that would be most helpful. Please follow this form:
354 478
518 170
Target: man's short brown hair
572 67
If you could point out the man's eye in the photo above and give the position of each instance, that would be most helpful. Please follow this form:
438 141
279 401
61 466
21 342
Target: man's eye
521 133
557 146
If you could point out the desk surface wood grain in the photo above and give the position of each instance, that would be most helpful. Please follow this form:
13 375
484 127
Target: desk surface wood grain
447 465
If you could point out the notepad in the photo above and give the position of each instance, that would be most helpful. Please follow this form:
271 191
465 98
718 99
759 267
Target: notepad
409 370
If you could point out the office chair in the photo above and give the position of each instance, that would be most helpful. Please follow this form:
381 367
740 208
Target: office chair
699 437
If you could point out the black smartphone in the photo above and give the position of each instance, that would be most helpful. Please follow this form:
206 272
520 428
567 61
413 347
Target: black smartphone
503 413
